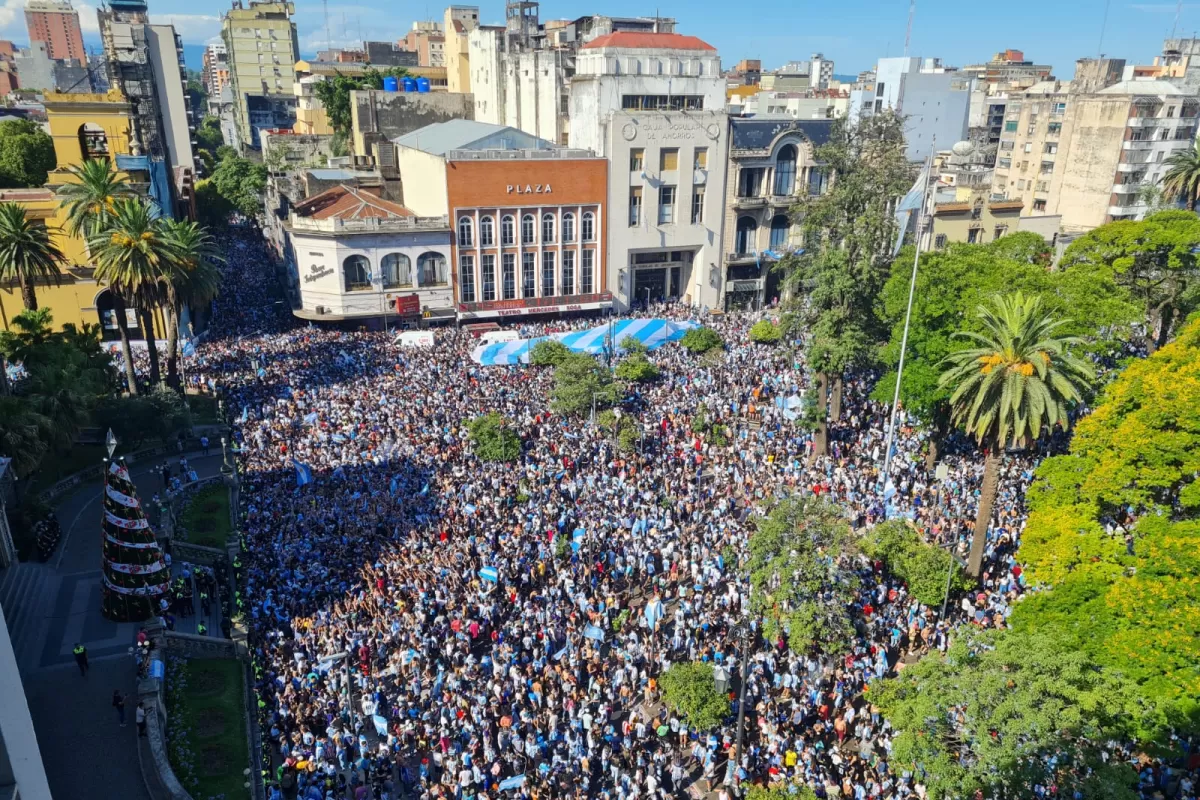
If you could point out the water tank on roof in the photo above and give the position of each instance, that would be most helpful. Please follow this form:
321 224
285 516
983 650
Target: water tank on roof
410 85
422 84
390 84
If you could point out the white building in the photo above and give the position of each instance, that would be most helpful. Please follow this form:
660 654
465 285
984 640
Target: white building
632 71
522 88
357 254
666 186
22 774
934 100
798 105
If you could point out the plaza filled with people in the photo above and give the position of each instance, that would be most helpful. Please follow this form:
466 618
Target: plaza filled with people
426 624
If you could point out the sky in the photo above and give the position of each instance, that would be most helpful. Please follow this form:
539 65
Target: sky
854 33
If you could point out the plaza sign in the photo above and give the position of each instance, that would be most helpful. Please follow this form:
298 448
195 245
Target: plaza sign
529 188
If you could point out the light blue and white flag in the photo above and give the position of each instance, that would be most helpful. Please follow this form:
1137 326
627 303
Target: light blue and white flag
304 473
490 574
653 333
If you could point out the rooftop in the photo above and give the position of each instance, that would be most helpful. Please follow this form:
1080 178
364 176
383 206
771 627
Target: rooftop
440 138
348 203
638 40
1143 87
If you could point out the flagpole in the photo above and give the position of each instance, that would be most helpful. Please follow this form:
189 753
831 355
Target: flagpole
912 288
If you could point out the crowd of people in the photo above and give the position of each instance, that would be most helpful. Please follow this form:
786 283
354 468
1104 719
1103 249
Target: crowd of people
427 622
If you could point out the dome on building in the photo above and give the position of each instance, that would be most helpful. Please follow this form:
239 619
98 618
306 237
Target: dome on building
963 148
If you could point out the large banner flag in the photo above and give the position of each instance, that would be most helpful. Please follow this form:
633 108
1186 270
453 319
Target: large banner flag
653 333
304 473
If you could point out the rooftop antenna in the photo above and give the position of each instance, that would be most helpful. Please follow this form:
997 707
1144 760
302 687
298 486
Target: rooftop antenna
1103 26
912 10
328 35
1175 24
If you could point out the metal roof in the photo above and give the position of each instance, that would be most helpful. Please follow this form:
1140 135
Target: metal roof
460 134
757 133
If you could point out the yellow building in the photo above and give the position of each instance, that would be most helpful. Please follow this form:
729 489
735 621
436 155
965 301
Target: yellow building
973 217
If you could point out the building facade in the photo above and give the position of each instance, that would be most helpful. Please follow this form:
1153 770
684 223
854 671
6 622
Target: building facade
1008 71
56 23
934 100
428 41
263 49
1032 129
973 217
530 230
633 71
458 22
666 205
214 72
772 166
523 88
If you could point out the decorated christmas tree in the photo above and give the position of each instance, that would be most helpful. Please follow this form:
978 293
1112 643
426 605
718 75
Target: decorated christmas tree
135 575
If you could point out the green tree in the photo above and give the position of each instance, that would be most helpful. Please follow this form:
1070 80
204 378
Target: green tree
493 440
548 352
132 256
626 428
801 580
1132 606
190 278
23 434
213 209
850 233
242 183
765 332
89 199
796 791
924 567
581 383
636 368
701 340
1182 178
209 136
334 94
688 690
993 711
27 255
26 154
1018 379
1153 262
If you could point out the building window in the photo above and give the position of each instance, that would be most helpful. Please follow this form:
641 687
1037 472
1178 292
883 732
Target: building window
568 272
431 269
747 232
637 159
589 227
700 158
697 205
356 273
1004 163
1010 126
1051 148
397 270
750 182
466 278
661 102
1047 167
977 211
785 171
548 273
1000 231
974 236
666 205
1039 205
780 229
487 274
587 272
547 228
635 206
568 228
508 231
528 229
1059 108
487 232
466 232
939 241
508 269
1054 128
528 275
668 159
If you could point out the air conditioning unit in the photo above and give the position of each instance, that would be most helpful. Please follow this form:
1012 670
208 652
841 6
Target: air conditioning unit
322 310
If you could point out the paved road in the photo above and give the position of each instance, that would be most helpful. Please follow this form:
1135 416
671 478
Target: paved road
77 728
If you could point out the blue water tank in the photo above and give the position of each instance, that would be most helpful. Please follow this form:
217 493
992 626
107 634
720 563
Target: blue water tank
410 85
390 84
422 84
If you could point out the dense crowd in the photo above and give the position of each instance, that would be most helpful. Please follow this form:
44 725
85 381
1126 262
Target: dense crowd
385 651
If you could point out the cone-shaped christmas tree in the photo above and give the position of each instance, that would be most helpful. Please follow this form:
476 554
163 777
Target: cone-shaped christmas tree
135 575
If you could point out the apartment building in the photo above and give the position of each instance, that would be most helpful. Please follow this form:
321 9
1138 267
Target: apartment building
458 23
214 71
428 41
1028 146
935 101
263 49
1008 71
56 23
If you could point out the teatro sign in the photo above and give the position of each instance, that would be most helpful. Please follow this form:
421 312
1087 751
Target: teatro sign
534 305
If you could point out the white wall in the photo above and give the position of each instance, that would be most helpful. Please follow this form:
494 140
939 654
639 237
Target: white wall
16 726
423 181
533 83
483 47
169 93
319 262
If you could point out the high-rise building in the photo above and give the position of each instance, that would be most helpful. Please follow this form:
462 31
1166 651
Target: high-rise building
214 71
56 23
428 41
934 100
263 49
458 24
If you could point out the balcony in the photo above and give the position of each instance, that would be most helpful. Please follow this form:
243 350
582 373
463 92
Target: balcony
1126 188
1125 211
1146 122
1142 145
369 225
781 200
740 258
749 202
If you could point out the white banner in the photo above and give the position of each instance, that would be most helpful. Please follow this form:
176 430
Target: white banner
143 591
124 500
127 524
134 545
136 569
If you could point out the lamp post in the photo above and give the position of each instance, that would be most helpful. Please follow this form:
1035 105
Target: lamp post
744 663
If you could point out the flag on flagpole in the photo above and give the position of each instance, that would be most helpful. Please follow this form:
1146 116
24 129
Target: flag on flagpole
303 473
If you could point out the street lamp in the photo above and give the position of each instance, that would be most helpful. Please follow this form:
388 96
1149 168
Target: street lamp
721 679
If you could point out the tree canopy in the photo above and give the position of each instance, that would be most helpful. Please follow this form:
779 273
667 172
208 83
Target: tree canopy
493 440
580 381
334 93
242 183
26 154
689 690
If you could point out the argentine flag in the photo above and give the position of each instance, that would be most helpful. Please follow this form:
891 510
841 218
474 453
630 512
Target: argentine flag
303 473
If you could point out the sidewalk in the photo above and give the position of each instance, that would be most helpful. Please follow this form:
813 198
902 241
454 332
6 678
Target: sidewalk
86 751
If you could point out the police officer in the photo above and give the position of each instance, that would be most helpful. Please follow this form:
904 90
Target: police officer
81 658
201 629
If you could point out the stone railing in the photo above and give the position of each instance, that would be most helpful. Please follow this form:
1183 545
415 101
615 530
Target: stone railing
197 553
191 447
190 645
151 695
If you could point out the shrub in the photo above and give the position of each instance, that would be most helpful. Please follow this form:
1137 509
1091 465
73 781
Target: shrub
493 440
689 691
701 340
636 368
921 565
765 332
548 352
627 429
578 379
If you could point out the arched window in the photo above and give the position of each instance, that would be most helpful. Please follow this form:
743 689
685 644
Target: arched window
547 228
747 233
785 171
781 228
93 141
588 229
568 228
528 231
397 270
487 232
466 232
508 231
431 269
356 273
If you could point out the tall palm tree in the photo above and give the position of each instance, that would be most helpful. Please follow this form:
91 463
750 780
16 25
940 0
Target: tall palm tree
1182 178
132 256
27 254
90 200
1018 379
193 280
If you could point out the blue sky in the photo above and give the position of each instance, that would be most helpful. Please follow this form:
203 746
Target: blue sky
852 32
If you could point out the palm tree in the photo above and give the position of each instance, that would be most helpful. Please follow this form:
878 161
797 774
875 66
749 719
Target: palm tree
1182 178
91 199
132 256
193 280
26 253
1017 380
